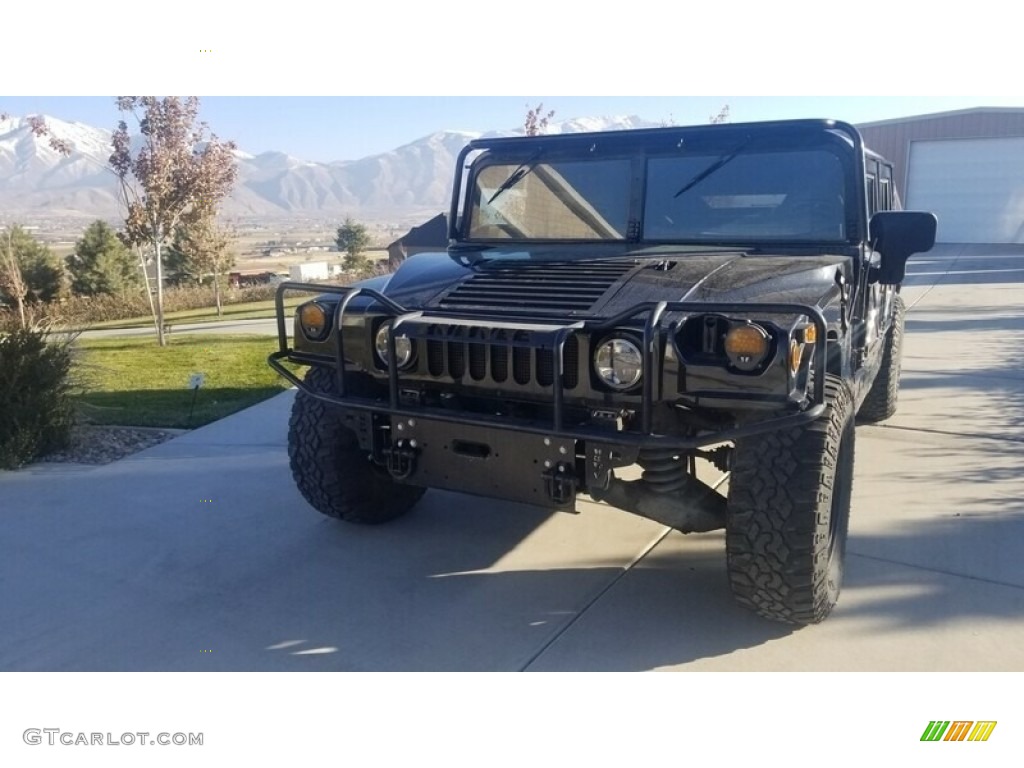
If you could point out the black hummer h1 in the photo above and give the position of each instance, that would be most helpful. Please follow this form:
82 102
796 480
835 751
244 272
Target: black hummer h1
648 297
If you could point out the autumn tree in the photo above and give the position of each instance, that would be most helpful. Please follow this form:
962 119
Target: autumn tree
353 239
199 251
37 124
536 121
178 169
101 264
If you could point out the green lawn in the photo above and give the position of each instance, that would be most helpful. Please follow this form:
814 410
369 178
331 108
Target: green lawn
250 310
134 382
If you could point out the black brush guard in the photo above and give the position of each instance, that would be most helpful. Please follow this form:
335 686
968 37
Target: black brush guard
414 322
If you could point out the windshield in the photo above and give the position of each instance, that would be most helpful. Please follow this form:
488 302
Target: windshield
740 192
568 200
796 195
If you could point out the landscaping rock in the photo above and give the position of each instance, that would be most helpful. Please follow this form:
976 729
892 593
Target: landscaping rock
94 444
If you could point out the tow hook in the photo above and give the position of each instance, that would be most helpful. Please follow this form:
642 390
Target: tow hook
560 483
401 459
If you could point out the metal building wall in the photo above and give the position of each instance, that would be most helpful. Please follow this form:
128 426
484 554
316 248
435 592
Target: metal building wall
891 138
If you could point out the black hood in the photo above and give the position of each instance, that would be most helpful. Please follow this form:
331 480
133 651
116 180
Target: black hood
521 283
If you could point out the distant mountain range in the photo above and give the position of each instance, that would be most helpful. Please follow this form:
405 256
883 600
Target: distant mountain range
37 181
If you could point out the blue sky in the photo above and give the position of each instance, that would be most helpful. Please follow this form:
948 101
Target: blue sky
350 127
354 72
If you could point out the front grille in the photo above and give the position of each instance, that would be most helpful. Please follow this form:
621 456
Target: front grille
540 288
455 351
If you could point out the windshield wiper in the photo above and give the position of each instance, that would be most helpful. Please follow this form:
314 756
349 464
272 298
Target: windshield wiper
517 175
711 169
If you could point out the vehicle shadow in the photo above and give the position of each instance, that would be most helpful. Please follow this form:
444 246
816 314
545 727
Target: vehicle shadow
443 612
673 609
961 366
988 407
959 568
128 568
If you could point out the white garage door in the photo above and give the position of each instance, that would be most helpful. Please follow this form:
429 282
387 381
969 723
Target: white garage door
974 186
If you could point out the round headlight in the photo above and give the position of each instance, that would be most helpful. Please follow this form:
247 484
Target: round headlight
747 346
313 321
618 363
403 346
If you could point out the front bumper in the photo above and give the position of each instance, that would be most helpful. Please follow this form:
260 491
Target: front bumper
415 324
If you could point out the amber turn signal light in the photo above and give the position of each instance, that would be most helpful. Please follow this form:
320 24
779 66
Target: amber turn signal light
313 321
747 346
796 355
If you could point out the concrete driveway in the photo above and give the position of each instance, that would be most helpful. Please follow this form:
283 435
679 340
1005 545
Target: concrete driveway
198 554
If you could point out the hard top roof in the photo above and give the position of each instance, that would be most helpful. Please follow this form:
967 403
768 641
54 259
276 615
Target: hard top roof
655 136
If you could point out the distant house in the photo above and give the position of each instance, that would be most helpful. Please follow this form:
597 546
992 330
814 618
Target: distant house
430 236
310 270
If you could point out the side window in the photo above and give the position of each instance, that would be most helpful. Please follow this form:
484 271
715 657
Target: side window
871 168
885 202
885 189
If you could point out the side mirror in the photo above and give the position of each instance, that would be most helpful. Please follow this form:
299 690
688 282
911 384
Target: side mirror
897 235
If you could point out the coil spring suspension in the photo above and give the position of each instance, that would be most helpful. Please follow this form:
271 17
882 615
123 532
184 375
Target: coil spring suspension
665 471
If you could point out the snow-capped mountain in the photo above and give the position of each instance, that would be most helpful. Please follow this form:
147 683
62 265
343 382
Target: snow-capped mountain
35 177
590 125
37 180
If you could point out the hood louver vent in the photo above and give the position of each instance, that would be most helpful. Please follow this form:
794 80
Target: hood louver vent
546 288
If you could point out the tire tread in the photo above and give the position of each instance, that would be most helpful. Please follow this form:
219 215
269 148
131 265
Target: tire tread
881 400
332 473
779 501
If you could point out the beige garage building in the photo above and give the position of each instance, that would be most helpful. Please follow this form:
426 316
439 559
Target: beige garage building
966 166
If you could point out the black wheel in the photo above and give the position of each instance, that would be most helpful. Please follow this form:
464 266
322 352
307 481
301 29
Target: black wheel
789 512
332 473
880 402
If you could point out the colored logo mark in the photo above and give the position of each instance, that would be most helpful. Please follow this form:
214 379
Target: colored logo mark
958 730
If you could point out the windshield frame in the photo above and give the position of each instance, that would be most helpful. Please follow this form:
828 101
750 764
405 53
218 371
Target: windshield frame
841 139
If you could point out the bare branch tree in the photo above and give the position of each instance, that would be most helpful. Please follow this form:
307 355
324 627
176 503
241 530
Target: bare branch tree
536 121
180 170
29 271
12 282
721 117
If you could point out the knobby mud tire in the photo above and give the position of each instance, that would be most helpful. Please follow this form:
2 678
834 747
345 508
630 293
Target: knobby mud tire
881 399
332 473
788 514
